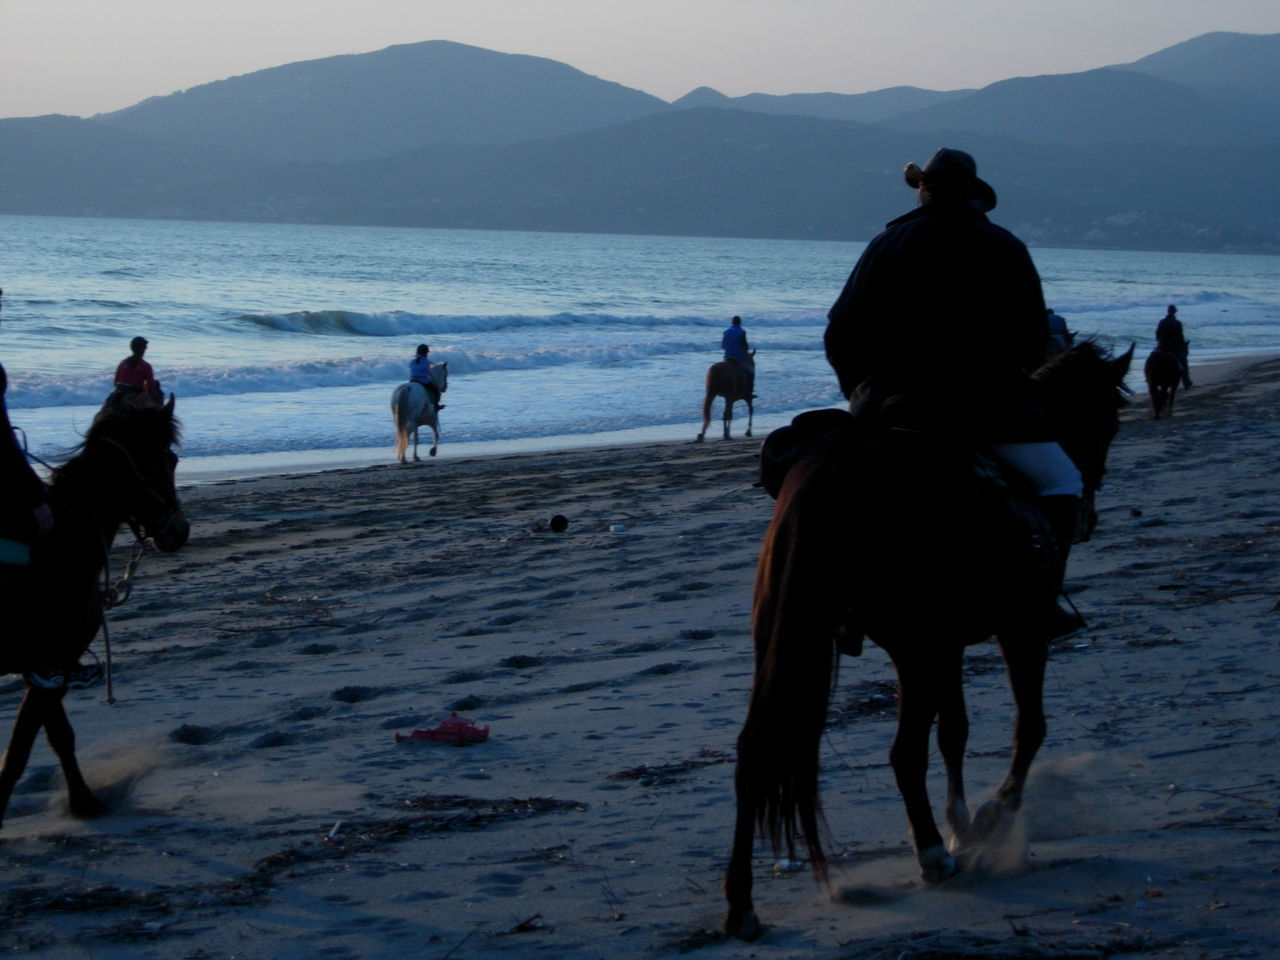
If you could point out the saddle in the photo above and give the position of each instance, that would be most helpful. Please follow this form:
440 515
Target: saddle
1002 507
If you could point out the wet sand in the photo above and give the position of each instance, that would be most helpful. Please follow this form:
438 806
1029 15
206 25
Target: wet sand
262 807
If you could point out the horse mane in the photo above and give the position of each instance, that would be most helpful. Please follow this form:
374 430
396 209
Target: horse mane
122 424
1085 357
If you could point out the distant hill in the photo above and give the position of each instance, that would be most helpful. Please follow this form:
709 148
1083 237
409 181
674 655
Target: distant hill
1097 106
376 104
445 135
712 172
869 107
1236 63
66 165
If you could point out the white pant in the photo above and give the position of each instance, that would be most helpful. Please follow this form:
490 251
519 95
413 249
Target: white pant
1048 469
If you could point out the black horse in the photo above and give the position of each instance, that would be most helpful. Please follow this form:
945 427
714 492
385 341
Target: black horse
892 536
53 609
1163 373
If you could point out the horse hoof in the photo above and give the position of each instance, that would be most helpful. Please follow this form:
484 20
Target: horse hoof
747 927
87 807
992 822
433 451
936 865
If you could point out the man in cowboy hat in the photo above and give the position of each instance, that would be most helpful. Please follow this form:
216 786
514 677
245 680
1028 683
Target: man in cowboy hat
944 309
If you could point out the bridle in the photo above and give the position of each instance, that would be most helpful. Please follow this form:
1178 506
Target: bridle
144 527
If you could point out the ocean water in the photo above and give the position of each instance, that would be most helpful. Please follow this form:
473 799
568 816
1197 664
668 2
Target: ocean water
283 342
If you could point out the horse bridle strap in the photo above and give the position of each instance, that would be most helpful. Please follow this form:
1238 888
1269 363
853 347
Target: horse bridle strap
135 523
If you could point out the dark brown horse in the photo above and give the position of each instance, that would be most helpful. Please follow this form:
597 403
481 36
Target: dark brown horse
889 535
122 472
1163 371
730 380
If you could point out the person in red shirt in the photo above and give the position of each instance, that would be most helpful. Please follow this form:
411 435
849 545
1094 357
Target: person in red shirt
134 376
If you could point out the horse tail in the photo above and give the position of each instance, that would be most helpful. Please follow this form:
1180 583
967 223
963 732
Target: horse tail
400 409
797 611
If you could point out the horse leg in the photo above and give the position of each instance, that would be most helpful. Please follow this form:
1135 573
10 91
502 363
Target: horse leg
1025 659
919 694
435 437
953 738
62 738
707 401
741 921
416 458
751 413
31 717
728 414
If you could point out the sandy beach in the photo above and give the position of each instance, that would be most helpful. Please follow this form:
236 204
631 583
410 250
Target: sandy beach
261 806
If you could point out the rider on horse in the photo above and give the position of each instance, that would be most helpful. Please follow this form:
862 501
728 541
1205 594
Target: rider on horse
420 373
134 376
1171 339
734 345
940 324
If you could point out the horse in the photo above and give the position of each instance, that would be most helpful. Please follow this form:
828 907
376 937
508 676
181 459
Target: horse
883 534
412 407
1163 372
121 473
728 379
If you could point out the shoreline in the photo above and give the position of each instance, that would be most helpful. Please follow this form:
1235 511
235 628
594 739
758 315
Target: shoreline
261 805
200 471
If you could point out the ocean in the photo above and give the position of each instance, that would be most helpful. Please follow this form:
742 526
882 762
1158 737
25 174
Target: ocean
283 342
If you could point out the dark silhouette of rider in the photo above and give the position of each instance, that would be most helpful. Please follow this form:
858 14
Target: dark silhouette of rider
944 315
1171 339
134 376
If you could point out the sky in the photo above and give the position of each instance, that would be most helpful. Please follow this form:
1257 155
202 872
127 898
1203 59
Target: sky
82 57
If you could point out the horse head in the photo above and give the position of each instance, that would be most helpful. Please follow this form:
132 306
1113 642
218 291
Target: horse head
1084 391
440 376
133 458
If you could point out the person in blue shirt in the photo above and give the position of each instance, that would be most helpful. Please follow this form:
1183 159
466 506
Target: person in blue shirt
1060 338
420 372
734 345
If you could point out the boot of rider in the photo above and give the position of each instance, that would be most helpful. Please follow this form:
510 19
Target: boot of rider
1062 512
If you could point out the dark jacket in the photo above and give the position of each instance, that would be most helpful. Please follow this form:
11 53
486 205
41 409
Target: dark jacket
1170 335
945 307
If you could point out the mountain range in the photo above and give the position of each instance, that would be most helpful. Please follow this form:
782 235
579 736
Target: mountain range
1176 151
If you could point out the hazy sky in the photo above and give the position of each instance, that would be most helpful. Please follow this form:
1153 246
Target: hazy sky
82 57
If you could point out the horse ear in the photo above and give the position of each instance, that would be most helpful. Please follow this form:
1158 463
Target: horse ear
168 407
1122 362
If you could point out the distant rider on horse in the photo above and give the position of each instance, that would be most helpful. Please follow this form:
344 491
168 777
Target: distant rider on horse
1171 339
420 373
942 321
734 345
134 376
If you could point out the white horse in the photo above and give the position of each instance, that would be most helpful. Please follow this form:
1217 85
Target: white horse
412 407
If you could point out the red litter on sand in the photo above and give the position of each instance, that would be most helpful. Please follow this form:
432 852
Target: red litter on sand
455 729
